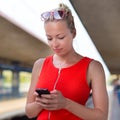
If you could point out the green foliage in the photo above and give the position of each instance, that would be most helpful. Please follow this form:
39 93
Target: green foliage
24 77
7 78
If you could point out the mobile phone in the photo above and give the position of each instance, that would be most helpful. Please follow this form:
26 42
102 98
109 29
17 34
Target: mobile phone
41 91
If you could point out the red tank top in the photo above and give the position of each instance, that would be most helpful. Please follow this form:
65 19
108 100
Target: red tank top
72 82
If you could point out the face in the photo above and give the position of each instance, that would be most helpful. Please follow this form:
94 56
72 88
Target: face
59 37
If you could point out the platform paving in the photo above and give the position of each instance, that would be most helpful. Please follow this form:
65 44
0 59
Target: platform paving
13 107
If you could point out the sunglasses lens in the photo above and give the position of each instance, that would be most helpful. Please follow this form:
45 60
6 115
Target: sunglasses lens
45 15
61 13
58 14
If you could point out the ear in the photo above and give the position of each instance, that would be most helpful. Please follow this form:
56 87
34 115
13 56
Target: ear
74 33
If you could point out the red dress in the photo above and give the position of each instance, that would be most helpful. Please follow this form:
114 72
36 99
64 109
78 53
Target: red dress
72 82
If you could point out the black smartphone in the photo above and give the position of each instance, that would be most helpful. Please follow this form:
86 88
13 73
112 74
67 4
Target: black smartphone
41 91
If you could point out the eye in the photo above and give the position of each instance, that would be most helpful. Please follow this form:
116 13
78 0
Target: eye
49 38
61 37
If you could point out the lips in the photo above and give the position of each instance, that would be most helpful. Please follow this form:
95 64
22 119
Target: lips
57 50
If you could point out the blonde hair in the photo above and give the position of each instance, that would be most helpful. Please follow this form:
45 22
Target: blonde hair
68 18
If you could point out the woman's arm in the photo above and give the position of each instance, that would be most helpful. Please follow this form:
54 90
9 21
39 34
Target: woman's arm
32 108
100 97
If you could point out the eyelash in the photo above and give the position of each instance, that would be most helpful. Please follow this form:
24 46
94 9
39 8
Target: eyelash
61 37
58 38
49 39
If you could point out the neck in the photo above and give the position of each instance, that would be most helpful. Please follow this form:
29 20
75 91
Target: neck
66 61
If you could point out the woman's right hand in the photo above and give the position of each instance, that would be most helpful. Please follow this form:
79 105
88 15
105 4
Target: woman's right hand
53 101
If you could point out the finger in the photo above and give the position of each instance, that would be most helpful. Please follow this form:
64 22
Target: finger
35 94
54 91
37 99
51 107
48 106
47 96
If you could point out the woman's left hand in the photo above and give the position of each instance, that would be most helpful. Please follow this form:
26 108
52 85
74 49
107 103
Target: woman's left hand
54 101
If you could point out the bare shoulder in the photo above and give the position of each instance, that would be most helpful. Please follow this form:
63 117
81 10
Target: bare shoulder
38 63
95 65
37 68
96 70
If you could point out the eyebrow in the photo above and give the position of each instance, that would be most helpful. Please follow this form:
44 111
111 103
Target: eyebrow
56 35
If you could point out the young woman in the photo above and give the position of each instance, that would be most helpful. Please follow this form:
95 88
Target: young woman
68 76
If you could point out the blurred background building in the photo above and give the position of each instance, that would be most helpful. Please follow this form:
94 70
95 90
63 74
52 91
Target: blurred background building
22 42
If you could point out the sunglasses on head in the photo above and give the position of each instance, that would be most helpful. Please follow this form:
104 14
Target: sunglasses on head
56 14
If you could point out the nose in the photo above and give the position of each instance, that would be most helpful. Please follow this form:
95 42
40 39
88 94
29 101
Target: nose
55 43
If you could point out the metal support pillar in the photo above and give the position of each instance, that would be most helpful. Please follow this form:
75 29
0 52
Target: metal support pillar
15 84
